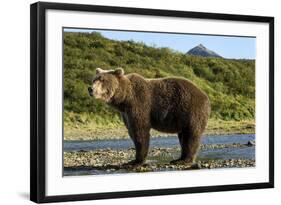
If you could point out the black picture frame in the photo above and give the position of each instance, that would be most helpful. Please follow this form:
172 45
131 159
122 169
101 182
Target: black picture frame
38 100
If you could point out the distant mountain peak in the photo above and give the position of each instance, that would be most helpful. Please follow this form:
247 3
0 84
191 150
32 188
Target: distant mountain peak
201 50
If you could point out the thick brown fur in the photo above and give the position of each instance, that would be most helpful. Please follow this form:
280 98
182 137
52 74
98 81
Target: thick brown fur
172 105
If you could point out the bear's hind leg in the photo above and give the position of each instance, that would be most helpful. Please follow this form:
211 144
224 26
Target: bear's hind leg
180 141
189 146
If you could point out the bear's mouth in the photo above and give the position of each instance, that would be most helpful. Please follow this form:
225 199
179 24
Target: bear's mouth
104 96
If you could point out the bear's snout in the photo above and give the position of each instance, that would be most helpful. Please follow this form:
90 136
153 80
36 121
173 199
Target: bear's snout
90 90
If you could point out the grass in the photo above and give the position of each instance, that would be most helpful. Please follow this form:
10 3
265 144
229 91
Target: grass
94 127
218 127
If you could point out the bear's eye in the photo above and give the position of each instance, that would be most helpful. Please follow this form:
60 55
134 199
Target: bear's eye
100 79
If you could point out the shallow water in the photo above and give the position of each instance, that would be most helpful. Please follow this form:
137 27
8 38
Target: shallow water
165 142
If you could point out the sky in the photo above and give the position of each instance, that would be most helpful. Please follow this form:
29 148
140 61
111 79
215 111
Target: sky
226 46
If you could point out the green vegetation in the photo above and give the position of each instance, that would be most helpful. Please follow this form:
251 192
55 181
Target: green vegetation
229 83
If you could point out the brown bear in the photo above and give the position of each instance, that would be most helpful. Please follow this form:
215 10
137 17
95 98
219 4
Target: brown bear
171 104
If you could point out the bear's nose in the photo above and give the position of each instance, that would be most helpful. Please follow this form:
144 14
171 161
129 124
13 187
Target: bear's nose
90 91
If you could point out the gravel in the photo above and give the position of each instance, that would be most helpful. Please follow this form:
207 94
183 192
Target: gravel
111 161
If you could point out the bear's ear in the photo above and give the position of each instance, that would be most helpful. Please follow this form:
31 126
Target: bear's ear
119 71
99 70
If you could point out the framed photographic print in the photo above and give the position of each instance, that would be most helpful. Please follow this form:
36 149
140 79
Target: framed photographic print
129 102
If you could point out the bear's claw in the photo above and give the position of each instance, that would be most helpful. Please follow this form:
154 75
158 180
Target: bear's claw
181 161
133 163
191 165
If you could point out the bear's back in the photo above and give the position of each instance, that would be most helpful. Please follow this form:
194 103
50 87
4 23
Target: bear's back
177 88
169 90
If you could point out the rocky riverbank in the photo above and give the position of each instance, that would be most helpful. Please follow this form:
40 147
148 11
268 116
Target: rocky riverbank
112 161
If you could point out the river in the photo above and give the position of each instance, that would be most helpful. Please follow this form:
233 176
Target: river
220 147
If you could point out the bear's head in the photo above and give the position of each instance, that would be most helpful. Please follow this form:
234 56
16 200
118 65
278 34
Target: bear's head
105 84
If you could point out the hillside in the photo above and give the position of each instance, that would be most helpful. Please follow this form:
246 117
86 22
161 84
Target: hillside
230 84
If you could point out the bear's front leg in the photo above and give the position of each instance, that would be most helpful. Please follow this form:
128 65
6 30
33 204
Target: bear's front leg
141 142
